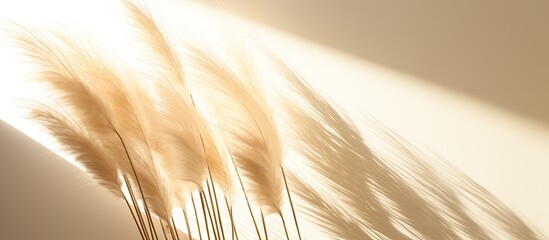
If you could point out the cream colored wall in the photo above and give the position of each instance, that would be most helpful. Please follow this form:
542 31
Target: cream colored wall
495 50
497 136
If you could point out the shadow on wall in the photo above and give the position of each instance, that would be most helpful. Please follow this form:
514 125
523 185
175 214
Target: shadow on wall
399 193
496 51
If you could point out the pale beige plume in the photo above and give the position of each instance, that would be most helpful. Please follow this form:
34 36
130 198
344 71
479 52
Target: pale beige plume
83 145
57 71
219 164
133 115
71 72
248 128
183 121
168 58
181 132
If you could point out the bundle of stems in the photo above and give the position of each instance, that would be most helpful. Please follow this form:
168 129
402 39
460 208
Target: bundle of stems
146 138
154 149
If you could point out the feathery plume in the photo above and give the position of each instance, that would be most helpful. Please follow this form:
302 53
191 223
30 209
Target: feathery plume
168 59
249 129
179 126
83 145
173 79
59 73
135 120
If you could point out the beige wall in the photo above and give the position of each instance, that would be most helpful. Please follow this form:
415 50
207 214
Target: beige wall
496 51
45 197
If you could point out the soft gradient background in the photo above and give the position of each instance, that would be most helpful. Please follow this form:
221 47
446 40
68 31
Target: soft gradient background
465 79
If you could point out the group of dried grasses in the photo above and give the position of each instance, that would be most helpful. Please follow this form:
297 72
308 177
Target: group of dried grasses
153 147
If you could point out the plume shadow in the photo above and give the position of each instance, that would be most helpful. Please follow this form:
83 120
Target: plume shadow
384 199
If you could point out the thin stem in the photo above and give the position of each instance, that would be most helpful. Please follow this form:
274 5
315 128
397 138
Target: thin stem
234 233
212 212
204 212
134 218
172 229
196 216
215 206
218 211
284 224
136 205
175 229
163 228
291 203
246 197
214 226
210 191
151 225
190 235
264 226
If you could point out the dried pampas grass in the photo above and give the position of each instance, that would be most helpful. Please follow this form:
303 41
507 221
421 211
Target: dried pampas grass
147 139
